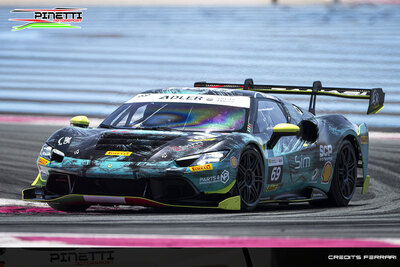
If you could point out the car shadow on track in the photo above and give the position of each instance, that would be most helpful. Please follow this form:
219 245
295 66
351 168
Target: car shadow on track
126 210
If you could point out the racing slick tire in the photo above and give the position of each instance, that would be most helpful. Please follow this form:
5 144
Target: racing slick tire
344 178
68 208
250 178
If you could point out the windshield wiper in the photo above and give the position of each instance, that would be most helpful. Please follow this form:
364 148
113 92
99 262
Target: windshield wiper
161 128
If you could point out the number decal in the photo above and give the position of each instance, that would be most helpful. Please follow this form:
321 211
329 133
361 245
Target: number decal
276 173
275 170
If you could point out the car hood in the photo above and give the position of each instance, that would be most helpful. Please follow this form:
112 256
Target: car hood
138 145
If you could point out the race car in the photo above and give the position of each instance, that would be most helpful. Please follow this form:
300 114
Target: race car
214 145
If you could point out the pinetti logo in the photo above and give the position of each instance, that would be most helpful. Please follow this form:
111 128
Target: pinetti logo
59 17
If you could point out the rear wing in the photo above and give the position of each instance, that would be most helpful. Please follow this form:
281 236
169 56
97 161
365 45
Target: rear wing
376 96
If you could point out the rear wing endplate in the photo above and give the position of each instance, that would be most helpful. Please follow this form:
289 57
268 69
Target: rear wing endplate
376 96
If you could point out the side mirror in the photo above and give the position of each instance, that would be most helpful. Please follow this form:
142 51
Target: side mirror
282 129
79 121
308 131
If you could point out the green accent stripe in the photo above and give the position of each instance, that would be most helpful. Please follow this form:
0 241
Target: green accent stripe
365 185
43 25
287 201
376 111
305 92
223 190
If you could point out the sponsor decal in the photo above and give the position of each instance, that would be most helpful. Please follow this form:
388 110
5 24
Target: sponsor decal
58 17
325 152
65 140
109 166
223 178
275 161
142 95
302 162
234 101
83 258
326 172
272 187
76 152
234 162
118 153
249 126
314 175
364 140
43 161
164 155
188 146
275 170
201 168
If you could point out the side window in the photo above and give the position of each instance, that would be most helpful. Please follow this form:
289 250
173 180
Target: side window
269 114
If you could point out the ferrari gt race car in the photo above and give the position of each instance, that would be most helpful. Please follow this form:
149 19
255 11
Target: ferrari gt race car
227 146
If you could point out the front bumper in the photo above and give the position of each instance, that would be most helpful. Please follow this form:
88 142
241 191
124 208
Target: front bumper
143 183
36 194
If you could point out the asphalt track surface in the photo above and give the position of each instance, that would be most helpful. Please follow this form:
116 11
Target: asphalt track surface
373 215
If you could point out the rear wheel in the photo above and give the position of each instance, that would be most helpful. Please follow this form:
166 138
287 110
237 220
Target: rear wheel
250 178
68 208
344 178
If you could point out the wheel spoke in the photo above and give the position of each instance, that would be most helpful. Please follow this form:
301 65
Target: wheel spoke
351 177
342 160
242 169
248 161
248 193
254 165
349 157
258 179
348 191
342 185
351 166
241 184
254 192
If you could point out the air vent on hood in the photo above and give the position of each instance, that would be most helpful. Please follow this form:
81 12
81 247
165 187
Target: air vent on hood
132 142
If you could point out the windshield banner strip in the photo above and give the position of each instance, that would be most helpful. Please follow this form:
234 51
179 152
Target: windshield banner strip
233 101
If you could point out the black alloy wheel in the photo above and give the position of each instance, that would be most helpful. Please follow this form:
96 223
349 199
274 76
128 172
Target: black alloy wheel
250 178
344 178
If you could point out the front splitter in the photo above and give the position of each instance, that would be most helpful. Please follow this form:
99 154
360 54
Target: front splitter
231 203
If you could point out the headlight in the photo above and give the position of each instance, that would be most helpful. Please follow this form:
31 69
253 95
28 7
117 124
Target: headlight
45 152
202 159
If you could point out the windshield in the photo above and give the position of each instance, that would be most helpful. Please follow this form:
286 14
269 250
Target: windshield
178 116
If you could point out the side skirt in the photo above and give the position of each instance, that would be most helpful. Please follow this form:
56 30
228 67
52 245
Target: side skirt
303 195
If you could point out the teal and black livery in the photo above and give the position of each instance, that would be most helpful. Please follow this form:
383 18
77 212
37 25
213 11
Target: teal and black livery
226 146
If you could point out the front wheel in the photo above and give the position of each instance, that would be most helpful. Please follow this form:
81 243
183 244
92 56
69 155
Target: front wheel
250 178
68 208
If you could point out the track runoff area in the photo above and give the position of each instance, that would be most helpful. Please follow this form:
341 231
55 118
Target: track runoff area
27 224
